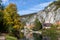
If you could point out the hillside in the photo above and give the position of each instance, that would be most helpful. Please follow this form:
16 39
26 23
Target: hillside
50 14
28 18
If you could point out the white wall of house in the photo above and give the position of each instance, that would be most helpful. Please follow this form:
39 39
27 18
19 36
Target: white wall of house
46 27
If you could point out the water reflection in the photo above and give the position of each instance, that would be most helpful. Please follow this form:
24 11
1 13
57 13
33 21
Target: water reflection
37 36
30 34
46 38
33 36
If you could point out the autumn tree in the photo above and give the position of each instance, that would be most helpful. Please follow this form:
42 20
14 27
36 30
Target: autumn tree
8 17
12 19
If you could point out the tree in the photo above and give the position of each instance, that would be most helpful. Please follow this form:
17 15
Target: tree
12 20
1 17
8 17
38 25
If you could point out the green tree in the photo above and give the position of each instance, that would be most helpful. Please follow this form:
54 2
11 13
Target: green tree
38 25
2 28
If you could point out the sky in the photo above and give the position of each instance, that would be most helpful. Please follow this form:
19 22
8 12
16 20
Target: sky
28 6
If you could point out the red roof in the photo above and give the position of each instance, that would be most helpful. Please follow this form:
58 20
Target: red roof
58 22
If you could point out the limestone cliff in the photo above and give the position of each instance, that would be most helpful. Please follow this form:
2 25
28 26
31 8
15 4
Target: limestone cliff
50 14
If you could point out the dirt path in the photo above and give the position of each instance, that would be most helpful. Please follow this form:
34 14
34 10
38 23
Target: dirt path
2 37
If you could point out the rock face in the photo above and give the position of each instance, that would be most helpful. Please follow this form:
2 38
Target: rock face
30 18
50 14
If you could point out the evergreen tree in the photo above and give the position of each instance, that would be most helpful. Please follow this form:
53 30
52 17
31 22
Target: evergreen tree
38 25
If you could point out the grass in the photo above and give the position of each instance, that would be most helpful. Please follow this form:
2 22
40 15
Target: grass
10 37
50 33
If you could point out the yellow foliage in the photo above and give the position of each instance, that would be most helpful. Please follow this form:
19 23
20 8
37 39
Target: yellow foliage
16 26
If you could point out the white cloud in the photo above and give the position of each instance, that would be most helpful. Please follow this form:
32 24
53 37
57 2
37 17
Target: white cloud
22 3
36 8
4 1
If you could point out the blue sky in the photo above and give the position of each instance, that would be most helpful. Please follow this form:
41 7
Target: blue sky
28 6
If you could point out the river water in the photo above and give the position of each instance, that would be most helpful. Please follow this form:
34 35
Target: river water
32 36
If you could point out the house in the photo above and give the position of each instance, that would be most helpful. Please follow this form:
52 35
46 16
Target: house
46 25
57 23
